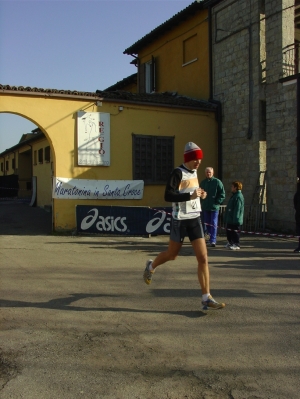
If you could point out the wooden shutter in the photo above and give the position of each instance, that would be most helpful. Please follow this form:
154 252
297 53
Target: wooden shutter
141 79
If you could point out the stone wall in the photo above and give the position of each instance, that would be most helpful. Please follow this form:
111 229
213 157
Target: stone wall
281 118
236 81
259 112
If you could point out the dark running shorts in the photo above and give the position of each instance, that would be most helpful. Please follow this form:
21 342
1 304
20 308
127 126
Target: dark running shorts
188 227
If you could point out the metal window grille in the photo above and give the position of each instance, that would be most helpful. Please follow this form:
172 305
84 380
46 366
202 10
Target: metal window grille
153 158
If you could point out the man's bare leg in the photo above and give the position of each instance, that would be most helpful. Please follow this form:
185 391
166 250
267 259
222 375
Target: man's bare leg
170 254
200 250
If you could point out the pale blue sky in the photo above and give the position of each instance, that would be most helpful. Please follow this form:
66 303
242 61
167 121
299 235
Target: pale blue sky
71 45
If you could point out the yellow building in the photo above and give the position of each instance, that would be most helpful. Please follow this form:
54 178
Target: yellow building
126 84
23 165
141 126
175 55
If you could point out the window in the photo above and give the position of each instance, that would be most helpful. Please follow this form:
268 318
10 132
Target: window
47 154
40 154
2 166
35 157
190 50
13 164
153 158
146 77
6 165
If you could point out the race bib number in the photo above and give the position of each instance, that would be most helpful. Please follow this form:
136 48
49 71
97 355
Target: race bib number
193 206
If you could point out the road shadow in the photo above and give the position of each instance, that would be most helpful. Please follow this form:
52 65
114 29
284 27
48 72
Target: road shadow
67 304
18 218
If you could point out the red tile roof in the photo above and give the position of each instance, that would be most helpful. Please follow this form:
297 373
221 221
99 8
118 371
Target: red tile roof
159 99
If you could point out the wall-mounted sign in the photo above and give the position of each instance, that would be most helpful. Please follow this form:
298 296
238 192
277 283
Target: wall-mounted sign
65 188
93 138
123 220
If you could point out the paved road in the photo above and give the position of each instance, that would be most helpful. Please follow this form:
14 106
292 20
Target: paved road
77 321
18 218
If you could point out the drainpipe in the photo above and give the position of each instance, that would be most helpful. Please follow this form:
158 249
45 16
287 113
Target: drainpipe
250 127
298 126
218 113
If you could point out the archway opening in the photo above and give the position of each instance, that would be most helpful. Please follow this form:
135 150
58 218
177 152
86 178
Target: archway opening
25 160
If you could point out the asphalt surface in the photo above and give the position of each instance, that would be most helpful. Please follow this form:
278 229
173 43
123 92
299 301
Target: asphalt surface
77 320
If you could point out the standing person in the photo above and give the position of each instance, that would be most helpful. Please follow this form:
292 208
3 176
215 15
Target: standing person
183 191
234 215
211 204
297 214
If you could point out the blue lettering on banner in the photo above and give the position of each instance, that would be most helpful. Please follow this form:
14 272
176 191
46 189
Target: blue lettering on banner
111 193
123 220
129 192
59 190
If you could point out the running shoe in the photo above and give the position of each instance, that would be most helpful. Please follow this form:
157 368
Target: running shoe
211 304
234 247
207 236
147 273
228 245
297 250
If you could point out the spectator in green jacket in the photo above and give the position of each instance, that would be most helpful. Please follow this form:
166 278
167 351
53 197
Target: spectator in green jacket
211 204
234 216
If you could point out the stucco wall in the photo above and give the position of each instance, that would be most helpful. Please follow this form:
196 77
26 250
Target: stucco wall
43 173
171 73
56 117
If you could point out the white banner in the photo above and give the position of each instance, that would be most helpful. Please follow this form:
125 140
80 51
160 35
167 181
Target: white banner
93 138
64 188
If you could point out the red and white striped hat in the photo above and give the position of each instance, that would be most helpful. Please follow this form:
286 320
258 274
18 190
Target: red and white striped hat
192 152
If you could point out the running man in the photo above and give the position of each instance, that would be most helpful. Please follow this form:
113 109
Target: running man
183 191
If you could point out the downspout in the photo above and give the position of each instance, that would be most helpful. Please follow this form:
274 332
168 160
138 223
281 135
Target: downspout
250 127
218 112
298 126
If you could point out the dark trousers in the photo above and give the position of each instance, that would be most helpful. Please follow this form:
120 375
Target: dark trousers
233 237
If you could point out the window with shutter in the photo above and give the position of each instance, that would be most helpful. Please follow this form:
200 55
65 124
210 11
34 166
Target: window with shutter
153 158
34 157
147 76
47 154
190 50
40 155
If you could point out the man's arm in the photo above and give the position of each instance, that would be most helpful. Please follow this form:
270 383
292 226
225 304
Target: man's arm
172 188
